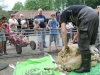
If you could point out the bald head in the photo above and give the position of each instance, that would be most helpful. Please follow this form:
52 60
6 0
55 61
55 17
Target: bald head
40 11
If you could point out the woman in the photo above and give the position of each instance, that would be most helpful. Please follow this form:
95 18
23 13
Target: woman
12 20
2 38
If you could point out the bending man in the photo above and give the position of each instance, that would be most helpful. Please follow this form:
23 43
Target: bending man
87 22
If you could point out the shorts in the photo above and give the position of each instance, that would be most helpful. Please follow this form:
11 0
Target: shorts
2 38
39 38
53 37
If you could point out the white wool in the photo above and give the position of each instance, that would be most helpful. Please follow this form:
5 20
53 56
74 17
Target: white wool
69 26
93 49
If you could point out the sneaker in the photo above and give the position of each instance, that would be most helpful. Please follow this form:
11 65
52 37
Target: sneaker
5 53
38 47
49 50
45 46
57 49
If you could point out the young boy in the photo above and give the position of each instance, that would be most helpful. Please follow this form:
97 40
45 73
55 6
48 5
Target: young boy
52 25
38 33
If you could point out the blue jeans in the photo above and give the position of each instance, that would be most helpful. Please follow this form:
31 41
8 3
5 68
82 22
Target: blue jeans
57 41
26 31
43 36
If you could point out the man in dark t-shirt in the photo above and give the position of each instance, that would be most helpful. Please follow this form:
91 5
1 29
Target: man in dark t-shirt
42 24
86 20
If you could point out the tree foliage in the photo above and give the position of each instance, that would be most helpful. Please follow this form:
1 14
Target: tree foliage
18 6
3 12
55 4
59 4
71 2
91 3
35 4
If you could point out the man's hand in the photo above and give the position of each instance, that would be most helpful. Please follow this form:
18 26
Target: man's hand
67 47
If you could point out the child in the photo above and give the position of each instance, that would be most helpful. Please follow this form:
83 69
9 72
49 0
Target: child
2 38
53 31
23 37
13 32
38 33
6 28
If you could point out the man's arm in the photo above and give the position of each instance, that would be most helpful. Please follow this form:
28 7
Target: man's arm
63 33
75 37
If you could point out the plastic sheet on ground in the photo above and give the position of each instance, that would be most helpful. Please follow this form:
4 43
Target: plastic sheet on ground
36 67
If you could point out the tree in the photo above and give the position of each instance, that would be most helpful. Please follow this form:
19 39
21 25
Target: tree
59 4
36 4
18 6
91 3
71 2
3 12
45 4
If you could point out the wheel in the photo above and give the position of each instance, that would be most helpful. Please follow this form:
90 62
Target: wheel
18 49
33 45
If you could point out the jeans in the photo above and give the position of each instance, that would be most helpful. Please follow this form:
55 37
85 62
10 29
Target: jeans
58 42
26 31
44 35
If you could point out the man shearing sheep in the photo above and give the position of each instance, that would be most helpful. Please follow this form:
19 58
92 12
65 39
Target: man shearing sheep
87 21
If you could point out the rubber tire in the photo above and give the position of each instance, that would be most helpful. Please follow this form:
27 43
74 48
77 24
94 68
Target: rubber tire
18 49
33 45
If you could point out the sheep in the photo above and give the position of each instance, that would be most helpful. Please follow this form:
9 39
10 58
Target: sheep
70 59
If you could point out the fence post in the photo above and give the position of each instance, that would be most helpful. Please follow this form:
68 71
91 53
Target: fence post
42 31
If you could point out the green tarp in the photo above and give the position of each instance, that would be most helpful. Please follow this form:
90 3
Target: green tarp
36 67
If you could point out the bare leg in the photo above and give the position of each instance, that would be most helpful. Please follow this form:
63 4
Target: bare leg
1 48
40 46
50 46
56 45
28 39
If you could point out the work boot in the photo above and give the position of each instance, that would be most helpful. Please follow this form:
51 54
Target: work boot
1 52
85 66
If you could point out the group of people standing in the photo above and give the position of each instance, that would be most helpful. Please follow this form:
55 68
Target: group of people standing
6 29
41 24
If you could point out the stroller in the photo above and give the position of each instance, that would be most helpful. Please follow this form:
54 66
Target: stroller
18 39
